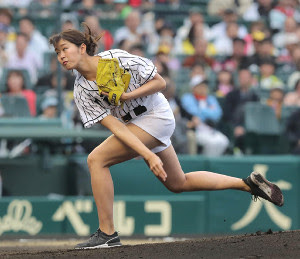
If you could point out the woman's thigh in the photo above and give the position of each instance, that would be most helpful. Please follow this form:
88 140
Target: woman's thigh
113 151
175 175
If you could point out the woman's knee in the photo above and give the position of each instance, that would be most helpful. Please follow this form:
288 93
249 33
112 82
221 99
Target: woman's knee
95 158
176 187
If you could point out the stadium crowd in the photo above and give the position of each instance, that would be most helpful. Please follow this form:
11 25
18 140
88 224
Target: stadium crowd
216 56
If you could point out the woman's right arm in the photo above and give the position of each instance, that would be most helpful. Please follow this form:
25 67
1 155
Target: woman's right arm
128 138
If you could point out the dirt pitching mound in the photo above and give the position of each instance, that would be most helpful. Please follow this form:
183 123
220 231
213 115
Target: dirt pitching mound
259 245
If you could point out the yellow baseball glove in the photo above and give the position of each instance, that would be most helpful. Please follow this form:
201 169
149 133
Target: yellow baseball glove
112 79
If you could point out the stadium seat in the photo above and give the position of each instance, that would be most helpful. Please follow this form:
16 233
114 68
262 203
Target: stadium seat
261 119
15 106
262 129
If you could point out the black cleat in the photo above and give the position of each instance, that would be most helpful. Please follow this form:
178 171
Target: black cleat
100 240
260 187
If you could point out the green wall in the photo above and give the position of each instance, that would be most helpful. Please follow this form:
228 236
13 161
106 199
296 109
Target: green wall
142 204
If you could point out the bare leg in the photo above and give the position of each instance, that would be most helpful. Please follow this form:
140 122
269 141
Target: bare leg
177 181
108 153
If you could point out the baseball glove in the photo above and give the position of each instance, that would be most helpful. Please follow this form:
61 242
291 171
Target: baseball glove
112 79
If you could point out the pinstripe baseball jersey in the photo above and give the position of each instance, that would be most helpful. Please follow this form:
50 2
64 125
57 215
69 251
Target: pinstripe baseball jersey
93 107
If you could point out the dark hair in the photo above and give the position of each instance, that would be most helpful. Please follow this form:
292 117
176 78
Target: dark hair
27 18
6 12
77 37
17 72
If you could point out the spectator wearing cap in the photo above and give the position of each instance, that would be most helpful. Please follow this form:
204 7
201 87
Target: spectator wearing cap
206 108
267 78
37 42
49 108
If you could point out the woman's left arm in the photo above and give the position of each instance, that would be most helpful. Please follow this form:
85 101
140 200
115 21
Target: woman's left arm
155 85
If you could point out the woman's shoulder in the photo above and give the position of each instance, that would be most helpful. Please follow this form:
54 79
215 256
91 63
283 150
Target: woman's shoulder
113 53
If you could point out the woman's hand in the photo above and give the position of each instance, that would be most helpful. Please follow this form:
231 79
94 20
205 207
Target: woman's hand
156 166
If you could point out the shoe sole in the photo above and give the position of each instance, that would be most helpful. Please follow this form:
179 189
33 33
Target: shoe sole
270 189
99 246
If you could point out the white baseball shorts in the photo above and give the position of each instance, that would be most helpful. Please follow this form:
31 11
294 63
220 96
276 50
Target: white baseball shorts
158 122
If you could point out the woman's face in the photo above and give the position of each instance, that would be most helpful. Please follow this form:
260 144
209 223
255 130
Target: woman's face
15 83
68 54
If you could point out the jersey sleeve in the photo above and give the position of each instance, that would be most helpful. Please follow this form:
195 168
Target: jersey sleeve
142 69
91 110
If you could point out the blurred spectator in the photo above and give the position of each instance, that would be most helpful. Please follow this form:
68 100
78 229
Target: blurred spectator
4 46
164 36
268 79
164 55
234 61
289 29
294 68
24 58
132 29
42 8
121 8
192 28
224 83
283 9
162 68
224 44
219 30
293 98
275 101
50 79
6 18
196 32
87 7
183 138
37 42
264 50
293 131
206 107
258 32
67 25
258 10
199 56
137 49
234 106
106 42
198 70
216 7
15 84
49 108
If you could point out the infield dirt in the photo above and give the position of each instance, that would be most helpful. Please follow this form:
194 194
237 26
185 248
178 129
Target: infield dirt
258 245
